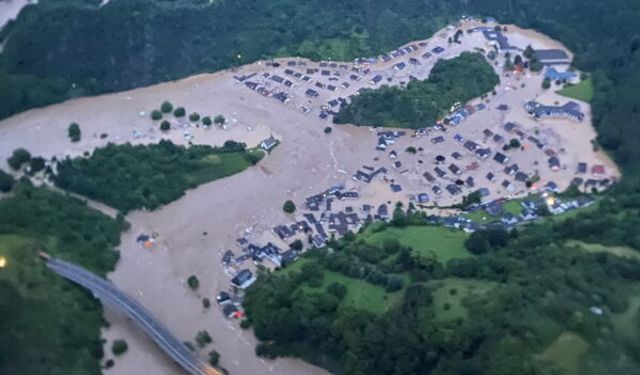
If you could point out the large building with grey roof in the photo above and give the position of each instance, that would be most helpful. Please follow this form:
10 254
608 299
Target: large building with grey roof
570 110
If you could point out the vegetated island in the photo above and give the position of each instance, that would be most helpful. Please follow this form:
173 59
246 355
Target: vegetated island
420 103
129 177
392 300
50 326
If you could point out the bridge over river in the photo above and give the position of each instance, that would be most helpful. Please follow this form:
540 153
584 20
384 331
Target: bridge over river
113 297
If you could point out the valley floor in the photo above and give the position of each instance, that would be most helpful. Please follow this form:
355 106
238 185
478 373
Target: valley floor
194 231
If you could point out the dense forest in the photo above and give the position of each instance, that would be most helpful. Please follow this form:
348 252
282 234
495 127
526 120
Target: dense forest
50 326
420 103
535 303
83 49
129 177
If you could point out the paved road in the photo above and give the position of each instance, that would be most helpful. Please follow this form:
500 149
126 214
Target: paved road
114 297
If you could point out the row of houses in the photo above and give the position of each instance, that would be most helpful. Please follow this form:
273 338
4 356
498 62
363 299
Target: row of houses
505 220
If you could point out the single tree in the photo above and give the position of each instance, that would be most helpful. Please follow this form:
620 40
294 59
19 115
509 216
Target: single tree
165 125
166 107
206 120
18 158
193 282
411 150
214 358
219 120
296 245
517 60
194 117
206 303
203 338
337 289
74 132
528 52
289 207
37 164
156 115
109 363
546 83
119 347
179 112
514 143
535 65
327 130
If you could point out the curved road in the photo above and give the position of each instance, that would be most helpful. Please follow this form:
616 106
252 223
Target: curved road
110 295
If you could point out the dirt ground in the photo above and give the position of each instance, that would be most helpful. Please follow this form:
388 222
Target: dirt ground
195 230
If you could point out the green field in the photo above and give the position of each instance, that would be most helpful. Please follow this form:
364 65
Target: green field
450 295
513 207
442 242
582 91
361 294
223 165
566 352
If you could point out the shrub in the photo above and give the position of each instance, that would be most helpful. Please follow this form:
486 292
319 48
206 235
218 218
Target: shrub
194 117
327 130
193 282
245 324
109 363
6 181
156 115
74 132
206 120
166 107
18 158
165 125
179 112
289 207
119 347
206 303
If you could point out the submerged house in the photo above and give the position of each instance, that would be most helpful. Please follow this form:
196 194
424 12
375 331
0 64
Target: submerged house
552 56
269 143
570 110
